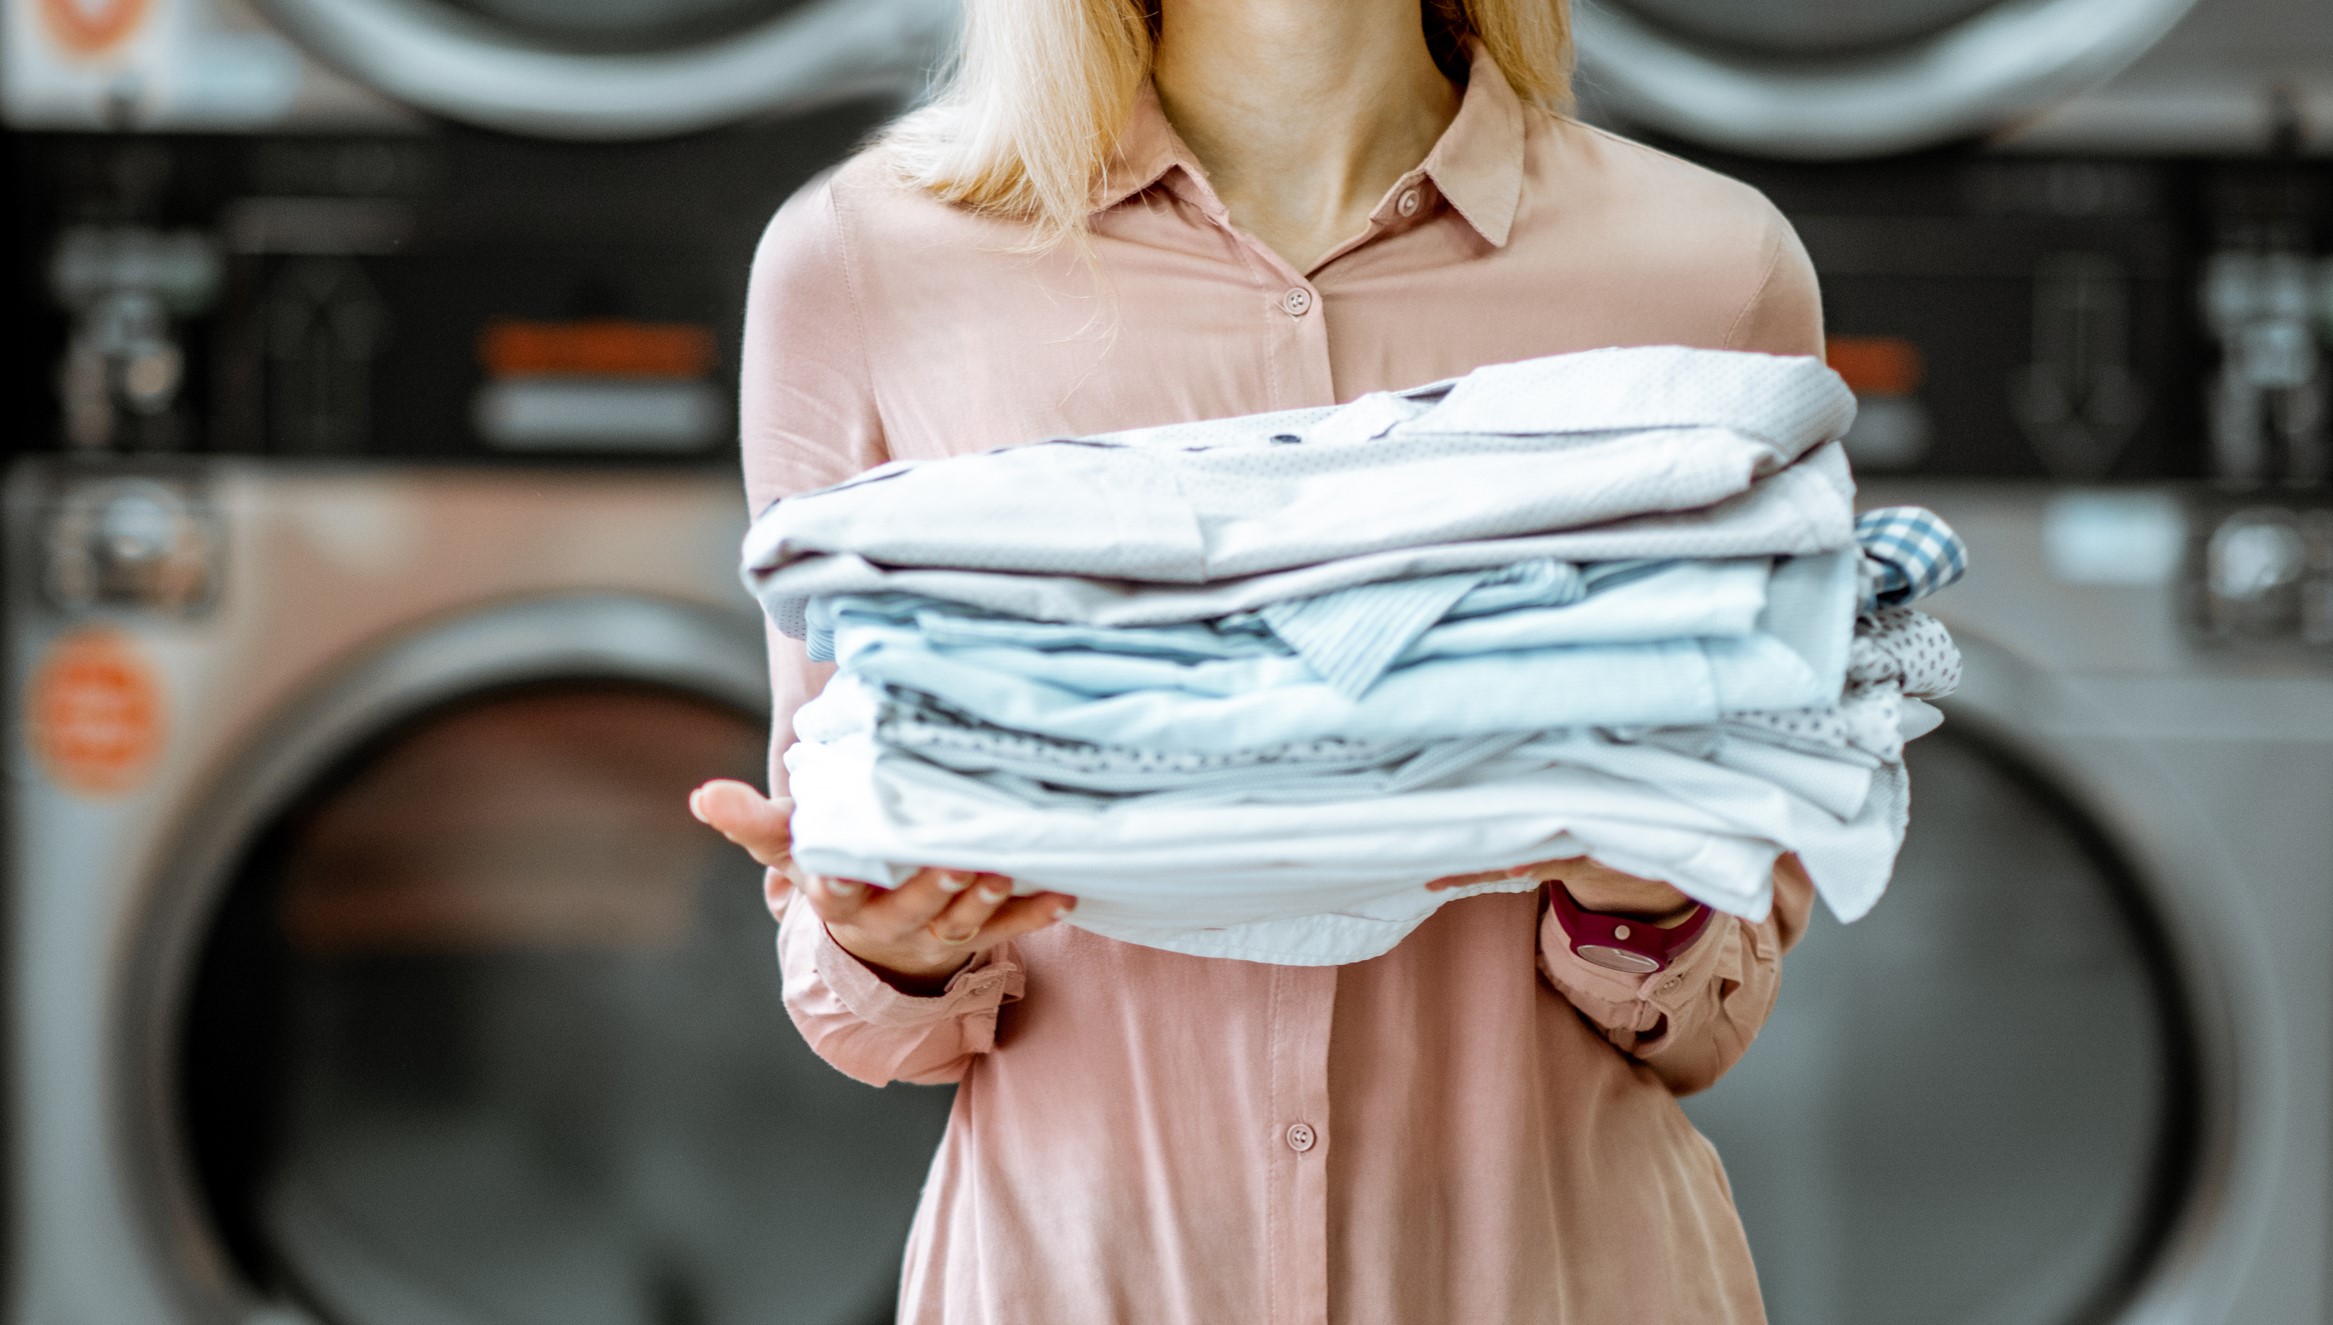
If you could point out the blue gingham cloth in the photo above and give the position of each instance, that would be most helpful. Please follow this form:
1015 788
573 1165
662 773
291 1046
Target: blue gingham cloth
1908 552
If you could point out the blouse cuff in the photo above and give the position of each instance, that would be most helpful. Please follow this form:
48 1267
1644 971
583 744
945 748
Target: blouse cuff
1631 1004
992 979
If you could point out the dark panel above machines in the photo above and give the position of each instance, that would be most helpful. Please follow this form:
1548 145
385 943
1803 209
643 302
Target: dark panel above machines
305 295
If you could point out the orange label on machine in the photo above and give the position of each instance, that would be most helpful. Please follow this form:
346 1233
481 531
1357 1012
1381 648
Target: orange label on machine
92 27
94 712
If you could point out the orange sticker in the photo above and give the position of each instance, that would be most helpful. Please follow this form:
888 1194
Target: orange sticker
92 27
1877 365
94 712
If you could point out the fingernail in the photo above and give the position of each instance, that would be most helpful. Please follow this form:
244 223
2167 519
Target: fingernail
1062 912
696 804
955 883
841 887
994 895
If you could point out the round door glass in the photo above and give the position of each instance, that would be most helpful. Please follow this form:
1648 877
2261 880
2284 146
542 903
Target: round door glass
1973 1106
488 1032
622 27
1807 27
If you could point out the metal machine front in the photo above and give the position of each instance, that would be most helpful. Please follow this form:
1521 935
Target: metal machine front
372 967
583 69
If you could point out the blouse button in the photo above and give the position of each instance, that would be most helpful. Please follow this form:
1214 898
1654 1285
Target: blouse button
1297 302
1407 204
1301 1137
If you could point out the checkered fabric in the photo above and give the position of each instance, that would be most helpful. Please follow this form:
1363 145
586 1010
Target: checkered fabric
1908 552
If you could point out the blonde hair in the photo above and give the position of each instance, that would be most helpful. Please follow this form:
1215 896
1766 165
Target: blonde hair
1031 107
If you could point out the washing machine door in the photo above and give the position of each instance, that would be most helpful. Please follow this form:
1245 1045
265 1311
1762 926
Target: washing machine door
606 69
1980 1105
471 1024
1846 78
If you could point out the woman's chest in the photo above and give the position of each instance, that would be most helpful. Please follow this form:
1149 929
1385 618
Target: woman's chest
988 353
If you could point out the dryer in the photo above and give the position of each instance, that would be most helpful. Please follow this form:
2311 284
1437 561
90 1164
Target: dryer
365 965
1820 80
584 69
371 608
2075 1065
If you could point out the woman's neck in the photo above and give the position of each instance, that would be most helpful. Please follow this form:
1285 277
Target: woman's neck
1303 112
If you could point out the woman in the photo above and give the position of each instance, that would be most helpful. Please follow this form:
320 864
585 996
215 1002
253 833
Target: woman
1116 218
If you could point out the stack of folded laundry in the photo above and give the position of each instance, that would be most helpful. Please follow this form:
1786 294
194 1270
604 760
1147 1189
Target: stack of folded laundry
1244 686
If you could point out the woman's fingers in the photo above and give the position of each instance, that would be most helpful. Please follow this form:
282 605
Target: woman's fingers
960 920
837 901
912 905
932 923
1022 915
748 818
955 909
886 914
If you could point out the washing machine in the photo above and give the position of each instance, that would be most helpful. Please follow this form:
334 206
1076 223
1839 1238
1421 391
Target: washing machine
2077 263
2075 1066
368 968
371 607
1816 80
582 69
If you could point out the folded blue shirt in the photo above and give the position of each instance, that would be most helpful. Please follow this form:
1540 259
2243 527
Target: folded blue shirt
1237 688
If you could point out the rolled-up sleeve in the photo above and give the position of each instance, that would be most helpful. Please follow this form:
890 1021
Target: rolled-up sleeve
871 1031
807 418
1693 1021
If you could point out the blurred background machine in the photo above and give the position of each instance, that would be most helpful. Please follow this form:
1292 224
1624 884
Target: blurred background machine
369 605
2078 1067
376 978
371 599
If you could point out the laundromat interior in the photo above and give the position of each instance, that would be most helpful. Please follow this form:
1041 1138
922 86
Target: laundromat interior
372 515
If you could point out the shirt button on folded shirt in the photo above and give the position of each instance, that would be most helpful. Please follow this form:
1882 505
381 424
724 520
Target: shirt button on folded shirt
1301 1137
1297 302
1407 204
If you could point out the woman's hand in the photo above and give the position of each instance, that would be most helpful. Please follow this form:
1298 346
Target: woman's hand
916 935
1594 887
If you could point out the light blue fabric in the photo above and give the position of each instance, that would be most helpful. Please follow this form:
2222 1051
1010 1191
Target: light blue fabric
1541 583
1796 657
1627 604
1349 638
1538 604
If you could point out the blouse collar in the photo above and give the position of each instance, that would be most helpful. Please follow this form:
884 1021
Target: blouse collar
1477 164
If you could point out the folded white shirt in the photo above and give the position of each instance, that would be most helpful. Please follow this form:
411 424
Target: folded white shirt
1580 457
1326 882
1518 448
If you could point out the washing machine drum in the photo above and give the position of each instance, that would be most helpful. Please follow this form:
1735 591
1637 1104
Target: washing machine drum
1846 78
621 68
1977 1106
486 1031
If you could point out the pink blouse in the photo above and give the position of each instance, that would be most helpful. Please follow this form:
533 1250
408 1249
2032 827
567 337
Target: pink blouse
1476 1127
